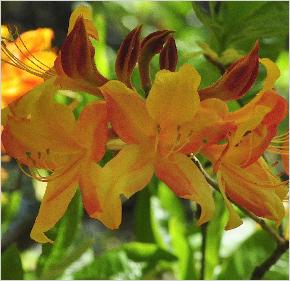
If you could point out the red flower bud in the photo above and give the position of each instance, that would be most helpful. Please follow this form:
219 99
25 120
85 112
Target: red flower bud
237 79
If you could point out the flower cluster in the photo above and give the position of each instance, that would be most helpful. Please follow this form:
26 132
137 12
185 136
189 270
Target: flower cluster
159 133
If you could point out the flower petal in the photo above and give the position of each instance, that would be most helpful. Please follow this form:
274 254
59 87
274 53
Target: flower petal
255 189
127 173
173 98
273 73
91 130
127 113
186 180
234 219
58 194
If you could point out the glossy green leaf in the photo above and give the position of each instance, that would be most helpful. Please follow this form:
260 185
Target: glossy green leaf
130 261
252 252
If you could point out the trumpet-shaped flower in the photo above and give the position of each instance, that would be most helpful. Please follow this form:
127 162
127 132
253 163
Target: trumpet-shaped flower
26 62
242 174
254 187
41 133
256 122
158 133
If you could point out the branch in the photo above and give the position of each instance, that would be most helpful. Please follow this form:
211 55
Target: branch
280 240
260 270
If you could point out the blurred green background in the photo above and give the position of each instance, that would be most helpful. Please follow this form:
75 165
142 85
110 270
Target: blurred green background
158 238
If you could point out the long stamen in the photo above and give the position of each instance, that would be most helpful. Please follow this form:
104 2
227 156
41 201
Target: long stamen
232 168
38 69
14 61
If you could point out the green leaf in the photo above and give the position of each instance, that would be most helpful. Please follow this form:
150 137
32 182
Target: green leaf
185 268
63 235
142 225
130 261
251 253
215 229
11 266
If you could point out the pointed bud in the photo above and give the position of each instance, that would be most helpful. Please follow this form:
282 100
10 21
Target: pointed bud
237 79
75 65
168 55
150 46
127 56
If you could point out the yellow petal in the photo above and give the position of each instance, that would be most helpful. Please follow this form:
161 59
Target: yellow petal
91 130
234 219
58 194
127 113
86 13
125 174
186 180
173 99
273 73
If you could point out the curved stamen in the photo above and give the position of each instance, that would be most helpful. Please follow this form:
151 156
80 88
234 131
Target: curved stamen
233 169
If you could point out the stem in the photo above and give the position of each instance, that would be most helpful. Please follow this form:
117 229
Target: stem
203 251
260 270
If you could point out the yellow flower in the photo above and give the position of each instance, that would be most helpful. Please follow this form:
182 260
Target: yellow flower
158 134
43 134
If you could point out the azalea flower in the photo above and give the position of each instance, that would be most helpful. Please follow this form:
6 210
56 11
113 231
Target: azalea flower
157 135
254 188
242 174
41 133
26 61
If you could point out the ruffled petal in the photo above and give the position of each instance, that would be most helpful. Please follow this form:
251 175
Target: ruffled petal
59 193
173 99
255 188
127 173
186 180
234 219
128 113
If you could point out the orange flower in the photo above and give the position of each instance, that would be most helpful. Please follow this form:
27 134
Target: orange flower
158 134
242 174
254 187
22 58
43 134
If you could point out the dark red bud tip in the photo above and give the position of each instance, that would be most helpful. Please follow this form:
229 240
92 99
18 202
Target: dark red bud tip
150 46
237 79
128 55
168 55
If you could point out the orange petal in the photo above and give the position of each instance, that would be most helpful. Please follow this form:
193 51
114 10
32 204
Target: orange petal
173 98
127 113
186 180
91 130
127 173
35 40
59 193
254 188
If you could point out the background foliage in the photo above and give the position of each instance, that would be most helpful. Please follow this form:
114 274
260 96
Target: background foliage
158 238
